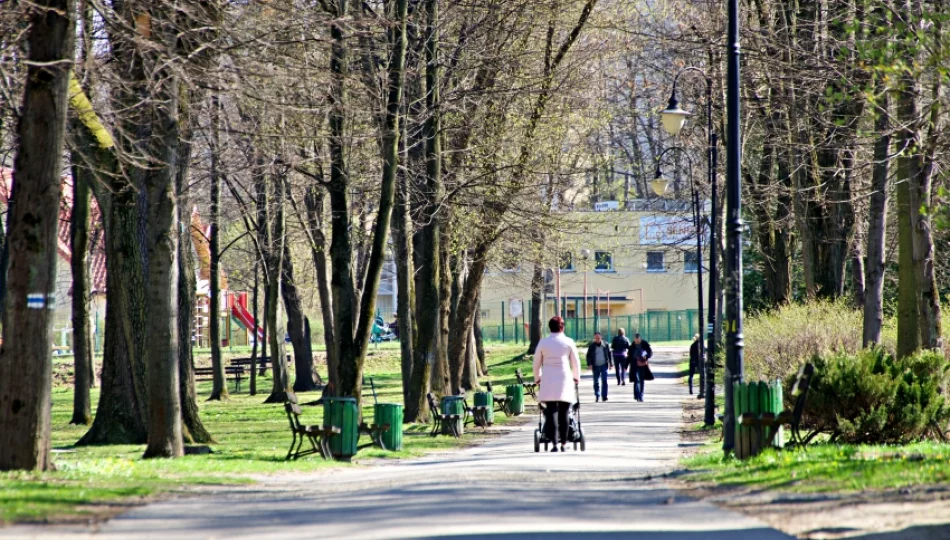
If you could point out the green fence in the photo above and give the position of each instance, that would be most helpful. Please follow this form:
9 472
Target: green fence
656 326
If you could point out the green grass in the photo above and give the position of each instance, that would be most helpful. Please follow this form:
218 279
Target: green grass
251 439
827 468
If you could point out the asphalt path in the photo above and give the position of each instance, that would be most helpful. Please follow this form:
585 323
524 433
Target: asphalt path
500 490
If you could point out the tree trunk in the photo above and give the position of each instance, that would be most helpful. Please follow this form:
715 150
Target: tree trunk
164 405
314 203
193 430
480 344
402 247
470 368
305 380
442 382
219 385
25 358
537 301
276 239
908 336
252 384
84 372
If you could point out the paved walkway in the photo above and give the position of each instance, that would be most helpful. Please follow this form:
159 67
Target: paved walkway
501 489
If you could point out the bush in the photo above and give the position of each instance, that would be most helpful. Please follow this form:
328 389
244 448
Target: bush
779 341
871 397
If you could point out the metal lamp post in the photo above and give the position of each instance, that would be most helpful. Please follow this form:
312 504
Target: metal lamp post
659 185
673 118
734 342
585 256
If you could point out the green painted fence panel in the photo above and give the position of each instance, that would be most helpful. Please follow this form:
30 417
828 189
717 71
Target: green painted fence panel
341 412
389 413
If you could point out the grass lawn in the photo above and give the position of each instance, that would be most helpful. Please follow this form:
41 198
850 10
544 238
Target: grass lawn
826 467
251 439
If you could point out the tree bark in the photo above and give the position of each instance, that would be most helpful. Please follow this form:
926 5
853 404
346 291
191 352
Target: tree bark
305 380
193 430
274 259
537 301
314 202
25 358
877 226
84 371
219 386
252 383
402 247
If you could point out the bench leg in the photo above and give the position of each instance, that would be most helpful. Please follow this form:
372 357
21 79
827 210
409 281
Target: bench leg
436 427
293 443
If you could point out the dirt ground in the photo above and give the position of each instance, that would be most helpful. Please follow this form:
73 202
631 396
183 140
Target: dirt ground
909 514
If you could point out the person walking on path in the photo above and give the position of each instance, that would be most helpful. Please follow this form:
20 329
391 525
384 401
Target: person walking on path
556 366
621 349
641 352
695 362
599 361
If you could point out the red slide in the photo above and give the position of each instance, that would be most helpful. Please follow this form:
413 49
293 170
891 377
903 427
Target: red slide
244 316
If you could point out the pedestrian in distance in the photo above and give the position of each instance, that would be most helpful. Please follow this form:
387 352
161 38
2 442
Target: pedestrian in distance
556 365
641 352
621 347
599 361
695 362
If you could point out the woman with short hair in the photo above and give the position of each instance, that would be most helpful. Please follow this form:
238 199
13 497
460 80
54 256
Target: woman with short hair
556 366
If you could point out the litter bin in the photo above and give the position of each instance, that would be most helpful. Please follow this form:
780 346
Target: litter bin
516 393
756 398
341 412
389 413
486 399
453 405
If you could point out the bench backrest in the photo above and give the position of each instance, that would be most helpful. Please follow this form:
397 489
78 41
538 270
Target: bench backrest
519 376
800 391
433 405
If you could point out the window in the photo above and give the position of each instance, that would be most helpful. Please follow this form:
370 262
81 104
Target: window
655 261
604 261
690 262
567 262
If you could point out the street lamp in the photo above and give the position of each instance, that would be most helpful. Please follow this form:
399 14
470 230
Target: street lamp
659 185
673 119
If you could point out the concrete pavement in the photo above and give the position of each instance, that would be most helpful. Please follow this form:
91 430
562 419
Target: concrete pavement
501 489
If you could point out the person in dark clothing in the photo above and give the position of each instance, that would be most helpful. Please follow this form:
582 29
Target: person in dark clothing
599 361
621 348
640 353
695 362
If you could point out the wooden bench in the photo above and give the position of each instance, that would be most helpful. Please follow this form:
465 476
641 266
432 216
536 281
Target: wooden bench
438 418
375 432
766 425
529 388
502 403
230 372
245 362
478 413
318 436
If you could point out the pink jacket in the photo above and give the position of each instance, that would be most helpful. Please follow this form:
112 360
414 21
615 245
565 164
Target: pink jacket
556 367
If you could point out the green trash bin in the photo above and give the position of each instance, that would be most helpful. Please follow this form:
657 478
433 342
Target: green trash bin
756 398
341 412
453 405
487 400
516 393
389 413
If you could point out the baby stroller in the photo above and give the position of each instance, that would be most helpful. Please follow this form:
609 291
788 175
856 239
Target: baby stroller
575 433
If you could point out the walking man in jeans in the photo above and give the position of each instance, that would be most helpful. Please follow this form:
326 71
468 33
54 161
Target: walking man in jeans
598 360
640 354
621 346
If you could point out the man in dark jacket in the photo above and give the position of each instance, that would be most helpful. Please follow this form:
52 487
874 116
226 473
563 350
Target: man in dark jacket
621 348
598 360
640 354
695 362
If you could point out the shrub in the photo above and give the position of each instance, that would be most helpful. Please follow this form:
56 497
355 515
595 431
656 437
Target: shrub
871 397
779 341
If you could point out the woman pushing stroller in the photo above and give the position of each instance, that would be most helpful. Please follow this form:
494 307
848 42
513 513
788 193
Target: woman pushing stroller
556 367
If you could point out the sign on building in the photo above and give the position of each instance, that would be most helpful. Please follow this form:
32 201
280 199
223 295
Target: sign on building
515 308
666 230
606 206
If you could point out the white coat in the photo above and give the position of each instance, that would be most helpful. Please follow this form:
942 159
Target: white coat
556 367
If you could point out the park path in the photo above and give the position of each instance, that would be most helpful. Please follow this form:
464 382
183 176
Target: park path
500 489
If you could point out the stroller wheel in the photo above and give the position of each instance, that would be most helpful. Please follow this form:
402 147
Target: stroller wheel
583 443
537 441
